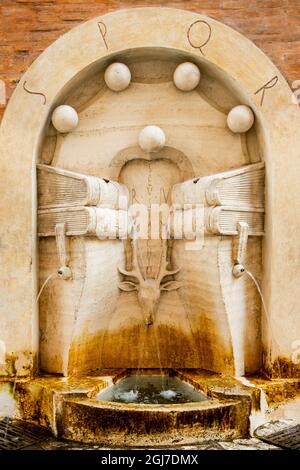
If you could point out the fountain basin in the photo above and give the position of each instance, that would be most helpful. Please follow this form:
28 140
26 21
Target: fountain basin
151 390
120 424
73 408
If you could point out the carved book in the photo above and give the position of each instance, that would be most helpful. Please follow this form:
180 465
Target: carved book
62 188
242 187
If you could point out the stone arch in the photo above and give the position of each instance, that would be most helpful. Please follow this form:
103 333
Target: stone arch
231 57
169 153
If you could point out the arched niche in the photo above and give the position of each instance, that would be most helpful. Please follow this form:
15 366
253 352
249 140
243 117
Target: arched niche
58 75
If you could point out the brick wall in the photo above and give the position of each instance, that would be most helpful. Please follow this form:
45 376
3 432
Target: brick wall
27 27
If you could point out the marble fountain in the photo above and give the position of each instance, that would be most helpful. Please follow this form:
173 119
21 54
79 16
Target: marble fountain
149 233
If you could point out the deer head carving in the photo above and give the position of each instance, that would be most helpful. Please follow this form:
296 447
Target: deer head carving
149 289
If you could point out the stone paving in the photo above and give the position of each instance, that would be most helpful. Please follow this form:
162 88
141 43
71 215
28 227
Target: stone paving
48 442
236 444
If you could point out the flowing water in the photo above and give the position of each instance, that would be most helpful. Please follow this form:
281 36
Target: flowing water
269 324
9 420
159 360
44 285
259 291
151 389
257 417
142 344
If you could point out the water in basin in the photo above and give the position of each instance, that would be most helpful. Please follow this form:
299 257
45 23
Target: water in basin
145 389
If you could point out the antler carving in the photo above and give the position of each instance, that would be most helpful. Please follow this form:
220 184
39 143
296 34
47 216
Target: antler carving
163 267
135 272
149 289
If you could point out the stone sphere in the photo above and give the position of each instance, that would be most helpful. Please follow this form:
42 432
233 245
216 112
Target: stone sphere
117 76
240 119
238 270
65 118
186 76
152 139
